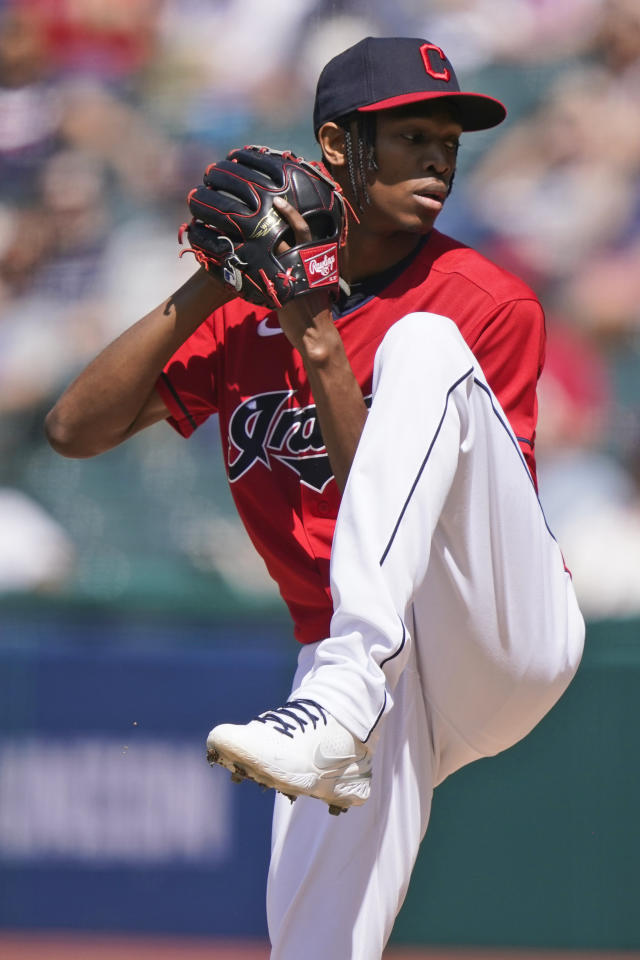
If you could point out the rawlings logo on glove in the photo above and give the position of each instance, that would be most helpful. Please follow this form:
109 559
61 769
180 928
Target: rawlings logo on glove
239 236
321 266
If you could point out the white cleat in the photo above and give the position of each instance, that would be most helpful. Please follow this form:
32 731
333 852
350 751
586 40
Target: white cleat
298 749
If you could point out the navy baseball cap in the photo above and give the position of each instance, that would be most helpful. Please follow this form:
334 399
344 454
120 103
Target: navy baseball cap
379 73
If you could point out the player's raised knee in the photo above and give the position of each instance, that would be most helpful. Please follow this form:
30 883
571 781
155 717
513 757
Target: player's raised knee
424 338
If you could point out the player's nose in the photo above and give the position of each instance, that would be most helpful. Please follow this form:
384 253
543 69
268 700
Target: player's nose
438 157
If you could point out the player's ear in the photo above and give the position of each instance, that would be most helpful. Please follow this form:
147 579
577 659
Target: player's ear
331 139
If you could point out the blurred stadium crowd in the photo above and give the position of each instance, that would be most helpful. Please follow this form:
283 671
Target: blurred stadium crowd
109 112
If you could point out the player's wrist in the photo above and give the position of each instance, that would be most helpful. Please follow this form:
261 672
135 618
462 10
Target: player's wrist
190 305
321 346
215 286
308 325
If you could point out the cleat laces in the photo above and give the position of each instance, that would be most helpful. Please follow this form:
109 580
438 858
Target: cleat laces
302 712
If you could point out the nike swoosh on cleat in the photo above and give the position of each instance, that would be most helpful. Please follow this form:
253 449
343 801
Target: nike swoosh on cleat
334 764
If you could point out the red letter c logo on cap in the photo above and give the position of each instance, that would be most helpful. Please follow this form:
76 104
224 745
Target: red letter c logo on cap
444 74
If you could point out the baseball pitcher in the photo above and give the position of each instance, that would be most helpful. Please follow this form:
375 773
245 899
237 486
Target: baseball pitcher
375 382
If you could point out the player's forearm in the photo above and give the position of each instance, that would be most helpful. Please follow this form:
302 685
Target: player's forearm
340 405
114 396
308 324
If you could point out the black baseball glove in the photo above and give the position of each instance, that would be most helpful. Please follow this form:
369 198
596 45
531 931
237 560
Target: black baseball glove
239 236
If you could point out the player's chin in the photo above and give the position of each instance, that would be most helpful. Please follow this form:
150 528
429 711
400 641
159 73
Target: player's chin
419 218
407 219
418 224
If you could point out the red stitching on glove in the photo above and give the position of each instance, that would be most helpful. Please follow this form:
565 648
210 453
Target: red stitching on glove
270 287
287 278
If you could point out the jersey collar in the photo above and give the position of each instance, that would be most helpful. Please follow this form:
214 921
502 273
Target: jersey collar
371 287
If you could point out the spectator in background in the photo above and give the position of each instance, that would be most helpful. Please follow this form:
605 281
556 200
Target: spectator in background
64 178
30 107
530 31
232 65
111 40
42 108
603 294
616 41
62 268
561 185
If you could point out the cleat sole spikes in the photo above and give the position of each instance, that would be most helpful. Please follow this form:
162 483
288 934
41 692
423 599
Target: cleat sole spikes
335 810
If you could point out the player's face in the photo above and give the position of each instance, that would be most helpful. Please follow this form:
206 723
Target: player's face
416 150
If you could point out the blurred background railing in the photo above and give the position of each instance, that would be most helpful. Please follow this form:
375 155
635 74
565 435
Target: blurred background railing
133 611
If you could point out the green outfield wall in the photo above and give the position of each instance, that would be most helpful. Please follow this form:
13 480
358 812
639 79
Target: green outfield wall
541 845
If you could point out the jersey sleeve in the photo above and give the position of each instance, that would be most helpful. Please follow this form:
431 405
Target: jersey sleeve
187 384
511 348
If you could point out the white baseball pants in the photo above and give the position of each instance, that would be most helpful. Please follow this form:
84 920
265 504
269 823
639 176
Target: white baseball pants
455 630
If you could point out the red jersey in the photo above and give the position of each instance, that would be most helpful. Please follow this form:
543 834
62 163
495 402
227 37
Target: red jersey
239 364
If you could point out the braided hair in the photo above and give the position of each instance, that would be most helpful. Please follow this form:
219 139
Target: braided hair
360 150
